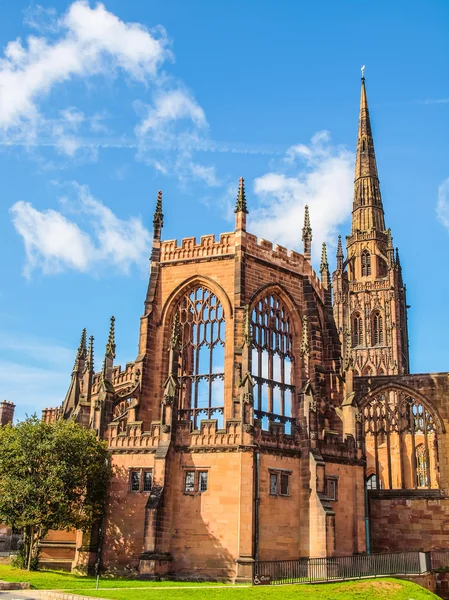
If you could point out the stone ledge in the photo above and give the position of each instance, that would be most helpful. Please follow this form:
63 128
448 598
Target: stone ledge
14 585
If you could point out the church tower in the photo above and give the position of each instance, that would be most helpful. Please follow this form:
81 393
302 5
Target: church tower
369 294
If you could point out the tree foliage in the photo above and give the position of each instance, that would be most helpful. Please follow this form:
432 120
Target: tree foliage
52 476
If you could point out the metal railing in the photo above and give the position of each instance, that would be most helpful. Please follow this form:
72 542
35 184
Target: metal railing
9 543
316 570
439 559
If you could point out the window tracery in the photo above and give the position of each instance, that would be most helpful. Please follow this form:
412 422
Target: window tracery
401 441
202 329
272 363
357 330
377 328
366 263
120 413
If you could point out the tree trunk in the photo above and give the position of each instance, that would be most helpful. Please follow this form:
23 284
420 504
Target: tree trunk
30 547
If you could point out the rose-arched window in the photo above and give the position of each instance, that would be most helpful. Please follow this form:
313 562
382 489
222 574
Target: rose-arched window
357 330
272 361
366 263
401 441
202 330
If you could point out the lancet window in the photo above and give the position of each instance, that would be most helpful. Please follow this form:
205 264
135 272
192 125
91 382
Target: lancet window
357 330
202 329
401 441
378 328
422 466
366 263
272 361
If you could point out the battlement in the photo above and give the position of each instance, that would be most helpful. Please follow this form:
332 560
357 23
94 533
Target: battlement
191 249
264 249
50 415
6 412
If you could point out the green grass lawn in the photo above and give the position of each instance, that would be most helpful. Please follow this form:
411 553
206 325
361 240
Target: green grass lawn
377 589
60 580
372 589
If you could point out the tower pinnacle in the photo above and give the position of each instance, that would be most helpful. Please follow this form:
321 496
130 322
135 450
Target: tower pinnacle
340 255
158 218
241 198
307 235
240 207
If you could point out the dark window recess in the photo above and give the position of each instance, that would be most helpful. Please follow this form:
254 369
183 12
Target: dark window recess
332 488
190 481
135 481
202 481
284 485
273 484
147 481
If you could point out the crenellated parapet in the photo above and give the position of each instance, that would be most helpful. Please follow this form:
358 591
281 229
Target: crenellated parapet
190 249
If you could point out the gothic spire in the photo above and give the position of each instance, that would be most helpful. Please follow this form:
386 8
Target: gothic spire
158 218
340 255
307 235
110 346
240 205
368 210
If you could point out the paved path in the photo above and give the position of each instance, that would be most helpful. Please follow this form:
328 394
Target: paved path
19 595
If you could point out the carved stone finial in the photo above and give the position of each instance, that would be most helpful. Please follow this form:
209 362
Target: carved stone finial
324 264
89 364
174 338
158 218
241 198
82 348
348 361
307 229
110 346
305 346
247 331
340 255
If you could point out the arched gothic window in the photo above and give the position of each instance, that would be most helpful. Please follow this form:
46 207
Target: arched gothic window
401 441
272 361
372 484
422 467
202 330
377 329
357 330
366 263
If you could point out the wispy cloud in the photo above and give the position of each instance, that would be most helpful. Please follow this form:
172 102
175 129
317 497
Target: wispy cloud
442 208
54 243
319 174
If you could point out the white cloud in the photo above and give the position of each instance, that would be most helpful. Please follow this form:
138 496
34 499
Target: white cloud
92 41
443 203
170 131
54 243
318 174
168 107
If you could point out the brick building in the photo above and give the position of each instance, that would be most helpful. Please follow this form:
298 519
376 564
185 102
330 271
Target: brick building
270 413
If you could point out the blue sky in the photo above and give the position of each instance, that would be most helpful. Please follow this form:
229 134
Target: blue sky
102 105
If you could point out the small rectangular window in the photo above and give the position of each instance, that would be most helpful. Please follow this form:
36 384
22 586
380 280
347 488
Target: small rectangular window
147 481
202 481
284 485
273 484
135 481
331 488
190 481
